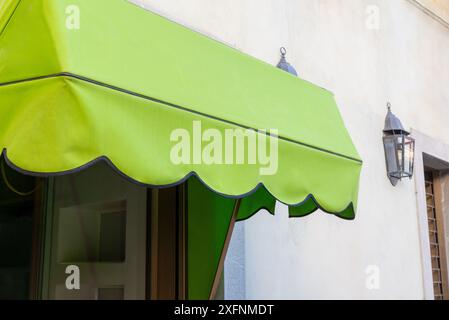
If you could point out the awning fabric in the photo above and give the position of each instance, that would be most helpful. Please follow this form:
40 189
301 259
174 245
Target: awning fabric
117 87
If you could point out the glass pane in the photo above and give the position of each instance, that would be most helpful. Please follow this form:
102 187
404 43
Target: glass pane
17 207
94 229
400 154
390 154
97 224
409 156
112 236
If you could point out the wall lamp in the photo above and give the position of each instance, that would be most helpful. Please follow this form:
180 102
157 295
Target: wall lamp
284 65
399 149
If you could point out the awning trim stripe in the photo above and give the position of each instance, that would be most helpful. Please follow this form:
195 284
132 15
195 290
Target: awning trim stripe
10 6
4 156
169 104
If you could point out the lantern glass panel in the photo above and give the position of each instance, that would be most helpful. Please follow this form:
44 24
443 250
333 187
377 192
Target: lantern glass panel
409 151
400 154
390 142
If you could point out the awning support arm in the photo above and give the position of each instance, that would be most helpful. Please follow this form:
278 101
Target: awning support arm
225 250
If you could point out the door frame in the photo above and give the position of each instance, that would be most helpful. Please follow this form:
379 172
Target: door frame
427 149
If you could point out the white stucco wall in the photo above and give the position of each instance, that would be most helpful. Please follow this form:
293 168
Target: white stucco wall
405 61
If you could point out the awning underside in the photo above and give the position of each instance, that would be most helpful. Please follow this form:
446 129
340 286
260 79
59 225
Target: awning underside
117 88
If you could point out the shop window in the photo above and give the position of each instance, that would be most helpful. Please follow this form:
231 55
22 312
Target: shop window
95 235
96 222
124 241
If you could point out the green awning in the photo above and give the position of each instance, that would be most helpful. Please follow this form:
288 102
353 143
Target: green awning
117 87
